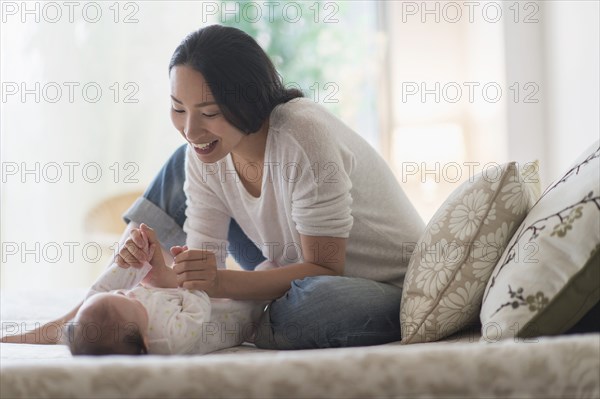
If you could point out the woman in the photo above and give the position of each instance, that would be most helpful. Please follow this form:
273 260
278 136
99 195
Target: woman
272 173
279 182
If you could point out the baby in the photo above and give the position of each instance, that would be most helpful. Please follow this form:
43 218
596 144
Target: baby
141 310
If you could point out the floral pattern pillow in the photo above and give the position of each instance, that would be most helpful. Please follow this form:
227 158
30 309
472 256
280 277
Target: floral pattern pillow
549 275
454 258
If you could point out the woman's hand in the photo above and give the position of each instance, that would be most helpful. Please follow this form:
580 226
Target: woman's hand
196 270
142 246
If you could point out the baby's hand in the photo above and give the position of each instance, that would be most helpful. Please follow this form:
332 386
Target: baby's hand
141 247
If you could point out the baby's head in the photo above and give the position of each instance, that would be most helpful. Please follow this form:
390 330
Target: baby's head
108 324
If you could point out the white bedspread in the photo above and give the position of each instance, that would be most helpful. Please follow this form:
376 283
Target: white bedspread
552 367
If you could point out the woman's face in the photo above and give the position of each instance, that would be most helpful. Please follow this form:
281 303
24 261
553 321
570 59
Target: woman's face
198 118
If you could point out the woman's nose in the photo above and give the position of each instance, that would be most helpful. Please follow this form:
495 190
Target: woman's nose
196 126
193 130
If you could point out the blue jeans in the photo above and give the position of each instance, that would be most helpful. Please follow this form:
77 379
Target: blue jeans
317 312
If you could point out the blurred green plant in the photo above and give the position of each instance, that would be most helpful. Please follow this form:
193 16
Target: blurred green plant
304 47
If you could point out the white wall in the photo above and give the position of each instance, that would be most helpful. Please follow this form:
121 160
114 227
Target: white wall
434 129
42 216
572 47
527 135
45 240
560 53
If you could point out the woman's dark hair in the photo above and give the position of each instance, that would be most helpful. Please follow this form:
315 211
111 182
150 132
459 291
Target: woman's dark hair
240 75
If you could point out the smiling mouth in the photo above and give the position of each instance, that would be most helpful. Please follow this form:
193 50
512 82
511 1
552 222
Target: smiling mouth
205 148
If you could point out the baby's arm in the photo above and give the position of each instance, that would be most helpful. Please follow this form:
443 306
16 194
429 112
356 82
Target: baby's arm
160 276
185 329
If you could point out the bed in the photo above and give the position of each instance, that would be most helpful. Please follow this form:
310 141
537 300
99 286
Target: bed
554 297
463 365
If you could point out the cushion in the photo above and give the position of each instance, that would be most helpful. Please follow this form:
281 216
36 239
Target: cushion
453 260
548 277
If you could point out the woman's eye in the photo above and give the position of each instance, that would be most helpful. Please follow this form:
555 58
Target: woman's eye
211 115
179 111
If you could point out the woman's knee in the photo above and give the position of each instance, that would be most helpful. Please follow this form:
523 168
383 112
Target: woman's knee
332 311
339 293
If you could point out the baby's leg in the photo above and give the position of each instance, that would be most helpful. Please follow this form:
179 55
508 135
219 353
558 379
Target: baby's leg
49 333
116 277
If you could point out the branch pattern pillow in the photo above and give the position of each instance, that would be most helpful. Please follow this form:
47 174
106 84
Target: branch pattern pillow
454 258
549 275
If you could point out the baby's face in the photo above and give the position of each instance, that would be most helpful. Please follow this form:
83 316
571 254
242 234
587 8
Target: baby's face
120 304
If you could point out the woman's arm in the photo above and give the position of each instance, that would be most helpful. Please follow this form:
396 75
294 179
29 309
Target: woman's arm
197 270
322 256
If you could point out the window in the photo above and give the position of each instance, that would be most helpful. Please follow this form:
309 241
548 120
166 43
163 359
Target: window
85 107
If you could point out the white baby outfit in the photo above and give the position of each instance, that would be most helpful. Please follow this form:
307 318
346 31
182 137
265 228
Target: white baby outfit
182 321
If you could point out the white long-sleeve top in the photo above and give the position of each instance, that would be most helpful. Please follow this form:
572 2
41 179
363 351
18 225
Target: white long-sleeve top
320 178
